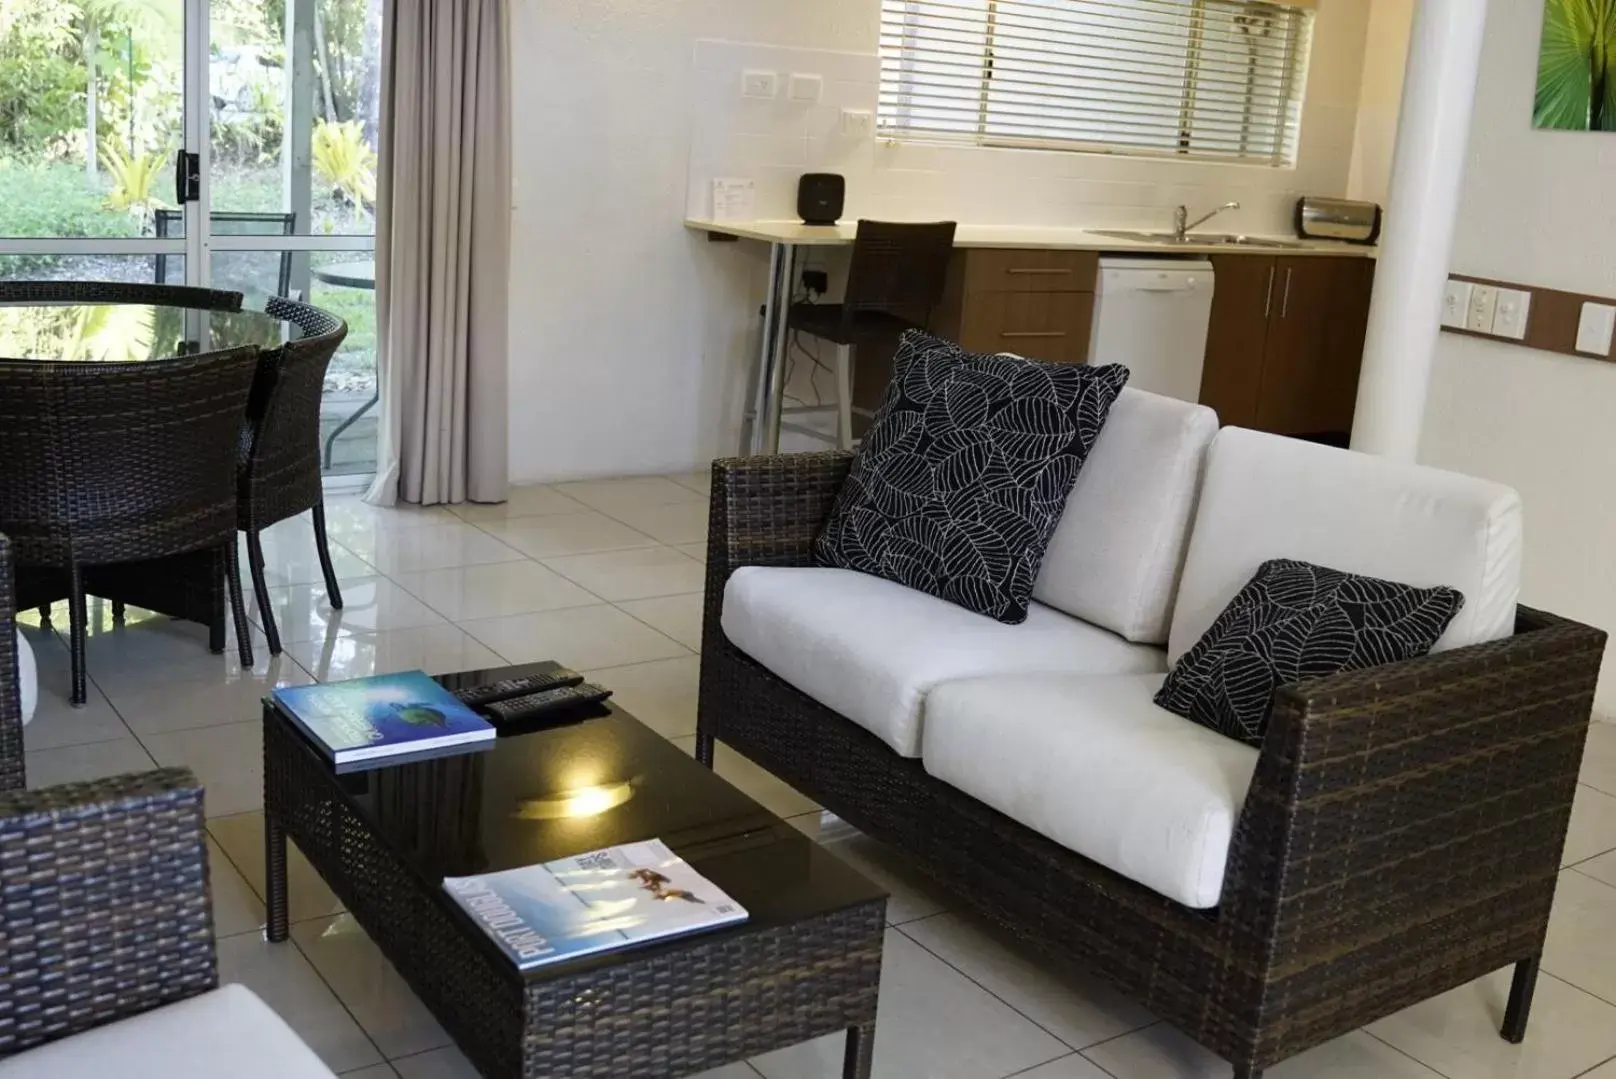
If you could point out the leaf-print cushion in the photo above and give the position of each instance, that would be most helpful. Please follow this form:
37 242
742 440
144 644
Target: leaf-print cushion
964 474
1292 622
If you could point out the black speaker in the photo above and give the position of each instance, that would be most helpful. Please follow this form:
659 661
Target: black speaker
820 198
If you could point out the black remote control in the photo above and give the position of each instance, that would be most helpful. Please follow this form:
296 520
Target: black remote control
479 696
536 705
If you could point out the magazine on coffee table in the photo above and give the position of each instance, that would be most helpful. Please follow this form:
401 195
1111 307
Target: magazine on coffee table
595 902
385 718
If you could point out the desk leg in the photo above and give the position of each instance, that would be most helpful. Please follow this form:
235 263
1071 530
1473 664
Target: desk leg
769 381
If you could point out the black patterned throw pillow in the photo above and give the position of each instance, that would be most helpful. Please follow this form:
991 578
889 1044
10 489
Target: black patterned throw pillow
963 476
1295 621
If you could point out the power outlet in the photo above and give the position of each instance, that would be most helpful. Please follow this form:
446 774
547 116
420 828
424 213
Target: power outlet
806 89
1483 308
858 123
1514 308
760 84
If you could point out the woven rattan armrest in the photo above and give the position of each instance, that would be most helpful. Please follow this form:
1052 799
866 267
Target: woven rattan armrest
104 907
1436 784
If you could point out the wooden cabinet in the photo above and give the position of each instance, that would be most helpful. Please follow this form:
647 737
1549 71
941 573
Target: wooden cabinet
1035 303
1285 344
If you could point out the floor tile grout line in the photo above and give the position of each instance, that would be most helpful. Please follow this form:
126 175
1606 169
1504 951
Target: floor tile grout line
962 973
1404 1052
1596 1067
1057 1060
1562 979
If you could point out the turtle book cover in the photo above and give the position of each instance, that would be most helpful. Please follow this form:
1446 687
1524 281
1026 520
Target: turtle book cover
607 899
390 715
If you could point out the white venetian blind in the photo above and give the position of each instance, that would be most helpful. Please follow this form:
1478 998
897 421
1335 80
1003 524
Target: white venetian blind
1218 79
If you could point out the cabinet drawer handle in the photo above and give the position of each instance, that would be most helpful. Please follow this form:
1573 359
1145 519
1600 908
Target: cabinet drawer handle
1268 304
1033 333
1285 308
1029 270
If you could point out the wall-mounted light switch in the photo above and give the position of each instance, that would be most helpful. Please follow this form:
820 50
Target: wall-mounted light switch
1483 306
1514 309
858 123
1456 304
760 83
1595 331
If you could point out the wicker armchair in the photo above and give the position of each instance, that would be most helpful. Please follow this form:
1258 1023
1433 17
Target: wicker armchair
12 776
121 867
118 292
1401 836
111 465
279 475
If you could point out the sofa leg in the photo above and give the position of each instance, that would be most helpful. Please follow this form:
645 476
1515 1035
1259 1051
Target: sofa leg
704 749
1248 1073
1520 1000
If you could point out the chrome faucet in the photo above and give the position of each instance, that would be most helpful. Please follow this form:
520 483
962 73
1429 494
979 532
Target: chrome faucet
1182 223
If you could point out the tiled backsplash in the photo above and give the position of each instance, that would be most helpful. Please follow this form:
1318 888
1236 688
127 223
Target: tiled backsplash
773 142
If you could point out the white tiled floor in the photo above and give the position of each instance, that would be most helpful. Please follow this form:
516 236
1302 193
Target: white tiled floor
606 575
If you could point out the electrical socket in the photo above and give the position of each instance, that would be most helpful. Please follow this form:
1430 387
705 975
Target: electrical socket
816 281
1456 304
858 123
1483 307
760 84
1514 308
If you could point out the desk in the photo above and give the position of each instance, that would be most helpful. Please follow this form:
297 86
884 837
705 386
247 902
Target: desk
788 239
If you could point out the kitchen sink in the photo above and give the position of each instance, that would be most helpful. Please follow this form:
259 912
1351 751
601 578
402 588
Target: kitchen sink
1201 239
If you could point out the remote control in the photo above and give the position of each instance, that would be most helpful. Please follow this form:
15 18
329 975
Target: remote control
540 704
478 696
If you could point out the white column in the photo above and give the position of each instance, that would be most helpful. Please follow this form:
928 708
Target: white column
1439 92
297 147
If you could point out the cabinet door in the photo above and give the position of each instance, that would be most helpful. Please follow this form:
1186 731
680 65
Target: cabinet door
1231 382
1315 345
1053 326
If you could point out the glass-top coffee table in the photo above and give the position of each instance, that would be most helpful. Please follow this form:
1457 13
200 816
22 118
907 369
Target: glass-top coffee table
807 962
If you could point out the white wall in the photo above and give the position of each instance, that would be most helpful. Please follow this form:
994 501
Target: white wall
1537 210
1380 101
631 337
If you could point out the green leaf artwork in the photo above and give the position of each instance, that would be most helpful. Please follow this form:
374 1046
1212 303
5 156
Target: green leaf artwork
1576 85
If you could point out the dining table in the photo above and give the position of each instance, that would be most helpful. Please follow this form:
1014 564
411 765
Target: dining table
181 586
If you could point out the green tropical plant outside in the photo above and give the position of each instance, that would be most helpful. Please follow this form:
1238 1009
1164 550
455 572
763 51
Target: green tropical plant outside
345 161
134 180
1576 86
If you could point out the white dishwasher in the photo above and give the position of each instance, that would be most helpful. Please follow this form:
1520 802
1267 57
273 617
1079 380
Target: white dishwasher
1151 315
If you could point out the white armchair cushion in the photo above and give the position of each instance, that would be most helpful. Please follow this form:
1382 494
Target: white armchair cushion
226 1033
27 677
871 649
1091 763
1115 560
1268 497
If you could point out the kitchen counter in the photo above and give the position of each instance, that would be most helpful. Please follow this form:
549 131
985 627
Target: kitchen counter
1022 237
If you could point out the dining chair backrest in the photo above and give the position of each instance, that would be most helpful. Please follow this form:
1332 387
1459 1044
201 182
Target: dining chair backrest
119 462
92 292
898 266
234 223
11 759
280 468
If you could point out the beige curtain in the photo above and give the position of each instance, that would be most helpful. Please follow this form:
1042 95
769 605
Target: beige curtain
443 215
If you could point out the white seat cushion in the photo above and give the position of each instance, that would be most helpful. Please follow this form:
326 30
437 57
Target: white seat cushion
1089 762
27 677
1115 560
228 1032
871 650
1270 497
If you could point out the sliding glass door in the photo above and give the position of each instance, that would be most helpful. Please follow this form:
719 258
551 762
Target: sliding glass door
228 143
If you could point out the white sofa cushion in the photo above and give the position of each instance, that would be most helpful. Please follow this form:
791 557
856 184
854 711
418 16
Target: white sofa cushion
227 1032
1116 557
1270 497
27 677
1089 762
871 649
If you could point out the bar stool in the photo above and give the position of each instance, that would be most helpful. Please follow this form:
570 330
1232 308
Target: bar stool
897 270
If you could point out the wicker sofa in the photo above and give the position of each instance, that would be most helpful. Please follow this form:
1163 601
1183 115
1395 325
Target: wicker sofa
1398 833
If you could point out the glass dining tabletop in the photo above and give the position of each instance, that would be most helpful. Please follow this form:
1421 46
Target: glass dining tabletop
131 333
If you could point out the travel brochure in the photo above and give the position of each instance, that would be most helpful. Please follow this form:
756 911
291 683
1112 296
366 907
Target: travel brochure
384 718
595 902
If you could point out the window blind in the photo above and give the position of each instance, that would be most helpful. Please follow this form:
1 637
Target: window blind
1220 79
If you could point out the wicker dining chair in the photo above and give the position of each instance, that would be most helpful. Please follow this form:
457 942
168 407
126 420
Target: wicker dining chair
11 748
92 292
121 463
280 472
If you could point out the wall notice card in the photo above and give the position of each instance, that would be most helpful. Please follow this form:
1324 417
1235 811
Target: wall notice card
734 199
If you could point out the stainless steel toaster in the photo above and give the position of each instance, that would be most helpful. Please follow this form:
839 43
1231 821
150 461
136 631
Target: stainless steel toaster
1322 218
